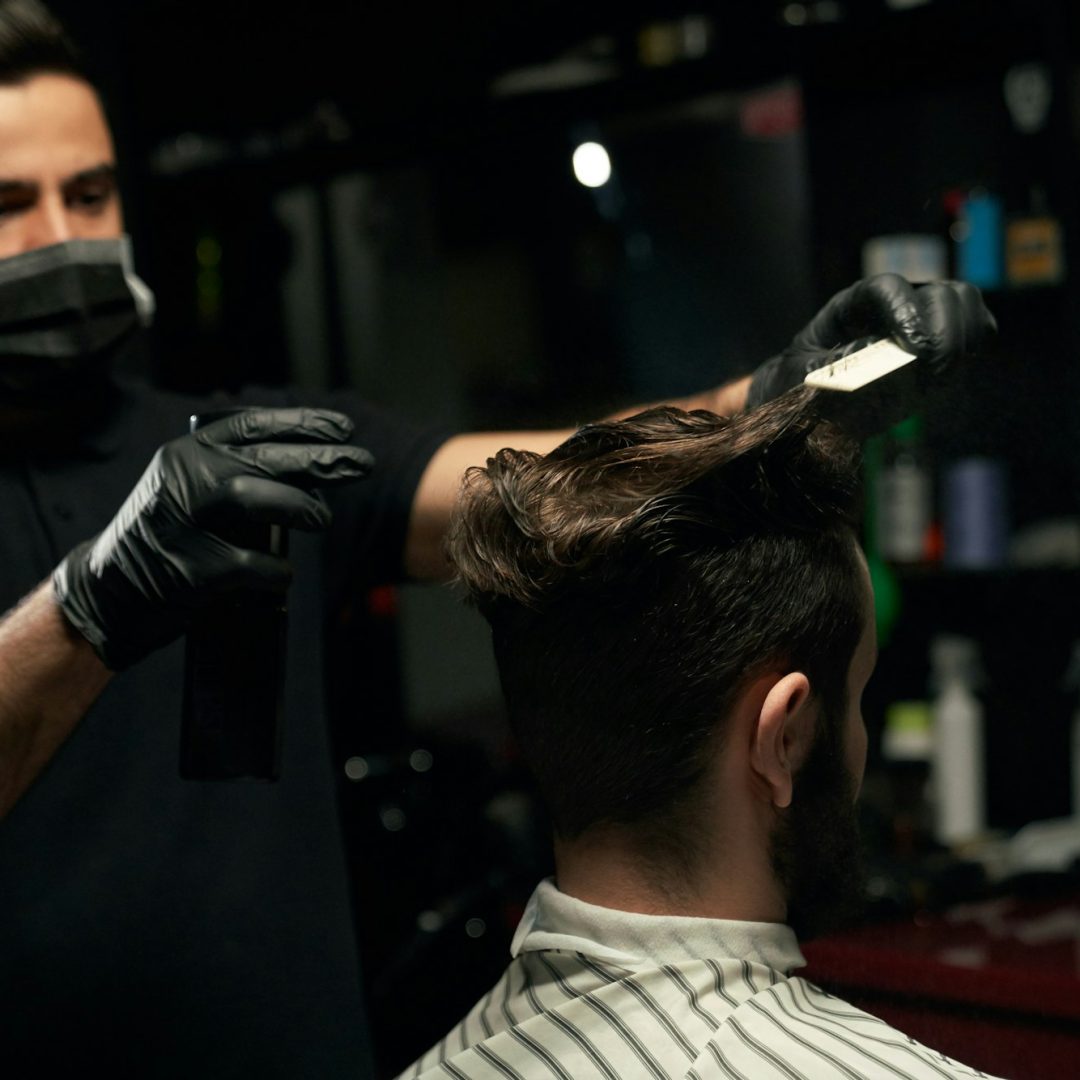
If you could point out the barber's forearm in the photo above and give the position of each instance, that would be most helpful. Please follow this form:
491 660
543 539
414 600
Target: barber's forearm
49 678
723 400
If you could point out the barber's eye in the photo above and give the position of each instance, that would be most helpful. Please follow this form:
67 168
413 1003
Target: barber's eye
91 198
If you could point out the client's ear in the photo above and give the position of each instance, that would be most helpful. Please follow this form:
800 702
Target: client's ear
782 735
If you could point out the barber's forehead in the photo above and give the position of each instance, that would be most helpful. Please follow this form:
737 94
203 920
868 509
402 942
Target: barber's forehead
51 122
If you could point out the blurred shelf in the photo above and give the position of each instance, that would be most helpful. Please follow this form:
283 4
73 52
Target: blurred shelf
1004 576
1019 608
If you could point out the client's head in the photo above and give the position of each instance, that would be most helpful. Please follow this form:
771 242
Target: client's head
683 626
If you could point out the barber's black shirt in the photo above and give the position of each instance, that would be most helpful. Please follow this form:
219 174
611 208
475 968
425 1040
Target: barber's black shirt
162 928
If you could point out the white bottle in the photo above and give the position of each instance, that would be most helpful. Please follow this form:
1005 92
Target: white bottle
957 778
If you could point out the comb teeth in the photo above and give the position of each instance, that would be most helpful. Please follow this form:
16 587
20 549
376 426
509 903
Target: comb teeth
854 371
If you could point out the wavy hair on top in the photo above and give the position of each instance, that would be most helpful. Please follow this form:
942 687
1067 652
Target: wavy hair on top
636 577
662 482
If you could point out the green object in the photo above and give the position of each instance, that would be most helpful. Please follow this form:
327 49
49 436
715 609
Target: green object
910 716
887 598
908 734
883 581
909 430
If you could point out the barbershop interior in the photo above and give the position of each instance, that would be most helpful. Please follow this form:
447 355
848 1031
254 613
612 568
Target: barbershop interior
529 216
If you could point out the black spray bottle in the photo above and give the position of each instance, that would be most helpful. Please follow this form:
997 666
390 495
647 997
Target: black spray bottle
234 670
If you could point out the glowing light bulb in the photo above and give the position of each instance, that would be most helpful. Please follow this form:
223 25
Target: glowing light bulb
592 166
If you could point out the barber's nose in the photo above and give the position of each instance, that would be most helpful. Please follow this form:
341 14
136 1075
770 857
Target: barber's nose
48 223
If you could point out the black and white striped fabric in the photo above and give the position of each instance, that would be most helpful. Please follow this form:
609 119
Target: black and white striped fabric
596 993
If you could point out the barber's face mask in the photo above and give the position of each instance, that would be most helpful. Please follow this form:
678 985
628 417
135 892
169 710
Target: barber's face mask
63 311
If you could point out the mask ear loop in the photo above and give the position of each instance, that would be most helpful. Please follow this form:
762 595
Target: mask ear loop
145 304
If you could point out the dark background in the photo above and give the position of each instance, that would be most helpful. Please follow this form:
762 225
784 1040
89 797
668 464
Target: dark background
334 193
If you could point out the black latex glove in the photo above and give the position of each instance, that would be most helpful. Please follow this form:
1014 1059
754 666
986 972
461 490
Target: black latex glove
133 588
941 323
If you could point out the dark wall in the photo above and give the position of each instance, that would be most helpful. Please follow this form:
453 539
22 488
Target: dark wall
500 292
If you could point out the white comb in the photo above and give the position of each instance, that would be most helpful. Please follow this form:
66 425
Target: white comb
854 371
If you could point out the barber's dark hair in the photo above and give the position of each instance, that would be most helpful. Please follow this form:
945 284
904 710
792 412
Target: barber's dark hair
33 42
638 576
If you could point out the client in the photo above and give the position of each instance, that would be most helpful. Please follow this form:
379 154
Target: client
683 625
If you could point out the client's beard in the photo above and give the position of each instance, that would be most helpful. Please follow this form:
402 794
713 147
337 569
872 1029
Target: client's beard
816 850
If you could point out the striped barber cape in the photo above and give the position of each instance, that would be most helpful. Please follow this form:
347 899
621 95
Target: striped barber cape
596 993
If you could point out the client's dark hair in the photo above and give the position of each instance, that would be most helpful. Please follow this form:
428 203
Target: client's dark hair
33 42
639 575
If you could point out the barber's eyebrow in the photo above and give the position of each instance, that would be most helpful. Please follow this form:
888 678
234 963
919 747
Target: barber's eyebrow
105 171
18 185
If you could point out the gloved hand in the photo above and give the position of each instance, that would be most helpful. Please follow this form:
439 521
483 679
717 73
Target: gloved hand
941 323
132 588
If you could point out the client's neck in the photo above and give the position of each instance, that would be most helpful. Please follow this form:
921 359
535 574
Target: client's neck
609 866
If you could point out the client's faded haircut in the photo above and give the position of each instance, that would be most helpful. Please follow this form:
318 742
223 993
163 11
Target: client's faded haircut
639 574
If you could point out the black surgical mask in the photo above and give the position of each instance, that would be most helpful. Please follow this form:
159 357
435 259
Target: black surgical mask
64 310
